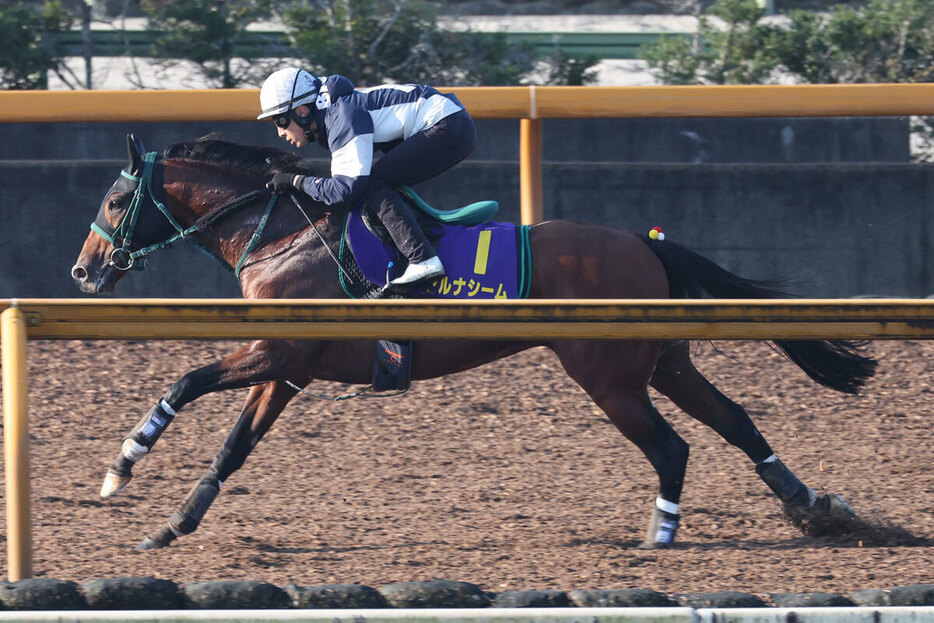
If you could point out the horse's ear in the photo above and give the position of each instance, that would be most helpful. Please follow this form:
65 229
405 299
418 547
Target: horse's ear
136 153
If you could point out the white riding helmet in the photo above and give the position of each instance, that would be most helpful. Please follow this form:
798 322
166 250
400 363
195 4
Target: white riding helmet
286 89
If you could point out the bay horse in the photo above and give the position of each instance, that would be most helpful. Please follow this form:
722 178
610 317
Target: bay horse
211 192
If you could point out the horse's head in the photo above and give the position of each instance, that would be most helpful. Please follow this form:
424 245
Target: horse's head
127 220
206 191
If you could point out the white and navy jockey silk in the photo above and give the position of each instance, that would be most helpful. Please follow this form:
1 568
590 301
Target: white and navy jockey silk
352 123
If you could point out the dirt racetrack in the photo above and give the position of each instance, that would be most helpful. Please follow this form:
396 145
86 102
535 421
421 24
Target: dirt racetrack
506 476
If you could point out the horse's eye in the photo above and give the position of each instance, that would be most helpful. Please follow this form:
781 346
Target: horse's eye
114 204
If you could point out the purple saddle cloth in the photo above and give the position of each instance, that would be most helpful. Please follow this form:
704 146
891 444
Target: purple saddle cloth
486 261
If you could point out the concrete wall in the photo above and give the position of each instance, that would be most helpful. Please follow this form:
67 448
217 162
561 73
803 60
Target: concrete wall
838 229
843 229
47 211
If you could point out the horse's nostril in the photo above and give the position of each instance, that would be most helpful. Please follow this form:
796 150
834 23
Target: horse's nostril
78 273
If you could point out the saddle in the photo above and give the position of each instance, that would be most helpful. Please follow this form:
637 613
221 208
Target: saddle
482 259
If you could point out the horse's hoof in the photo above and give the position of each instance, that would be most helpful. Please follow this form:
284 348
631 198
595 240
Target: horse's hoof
157 539
653 545
837 508
147 544
113 484
830 515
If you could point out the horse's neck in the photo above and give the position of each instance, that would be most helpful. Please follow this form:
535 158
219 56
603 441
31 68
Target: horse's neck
192 194
290 259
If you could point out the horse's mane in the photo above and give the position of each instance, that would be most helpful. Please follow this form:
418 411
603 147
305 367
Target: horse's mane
261 161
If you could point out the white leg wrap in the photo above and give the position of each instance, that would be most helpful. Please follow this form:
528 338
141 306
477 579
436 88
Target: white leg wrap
665 505
133 451
166 407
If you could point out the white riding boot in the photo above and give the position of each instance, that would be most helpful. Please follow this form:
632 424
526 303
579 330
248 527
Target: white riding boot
420 271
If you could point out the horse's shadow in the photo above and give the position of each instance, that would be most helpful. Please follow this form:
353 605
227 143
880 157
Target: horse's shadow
328 549
860 534
863 534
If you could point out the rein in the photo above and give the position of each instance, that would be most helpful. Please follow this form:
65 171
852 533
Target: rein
333 255
123 259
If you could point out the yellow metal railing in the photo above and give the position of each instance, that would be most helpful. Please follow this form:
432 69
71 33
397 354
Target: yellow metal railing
117 319
16 444
809 100
530 104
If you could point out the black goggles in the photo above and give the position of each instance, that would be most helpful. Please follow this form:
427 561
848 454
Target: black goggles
283 120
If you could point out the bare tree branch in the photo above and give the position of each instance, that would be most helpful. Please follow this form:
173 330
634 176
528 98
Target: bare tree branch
386 29
136 79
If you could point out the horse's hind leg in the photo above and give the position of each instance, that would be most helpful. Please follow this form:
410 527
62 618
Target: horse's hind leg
263 406
676 377
615 376
257 362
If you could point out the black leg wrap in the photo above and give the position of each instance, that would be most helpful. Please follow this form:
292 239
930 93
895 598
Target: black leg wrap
186 519
141 439
151 427
785 484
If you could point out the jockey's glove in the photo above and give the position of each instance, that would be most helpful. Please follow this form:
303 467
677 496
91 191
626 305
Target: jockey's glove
284 182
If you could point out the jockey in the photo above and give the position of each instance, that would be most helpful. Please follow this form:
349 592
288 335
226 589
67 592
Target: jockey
420 131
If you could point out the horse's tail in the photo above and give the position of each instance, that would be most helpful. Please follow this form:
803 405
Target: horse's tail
837 364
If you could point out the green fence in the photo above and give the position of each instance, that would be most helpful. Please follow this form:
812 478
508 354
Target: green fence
272 44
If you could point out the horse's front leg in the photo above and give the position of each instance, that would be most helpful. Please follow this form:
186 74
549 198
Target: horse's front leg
263 406
257 362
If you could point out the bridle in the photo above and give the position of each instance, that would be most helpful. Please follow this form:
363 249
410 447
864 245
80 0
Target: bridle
121 237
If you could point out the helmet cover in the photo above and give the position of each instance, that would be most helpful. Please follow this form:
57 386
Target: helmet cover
286 89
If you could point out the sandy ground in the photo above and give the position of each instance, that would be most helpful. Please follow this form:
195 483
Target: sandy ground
506 476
